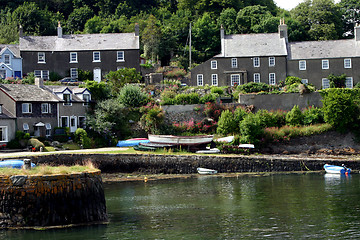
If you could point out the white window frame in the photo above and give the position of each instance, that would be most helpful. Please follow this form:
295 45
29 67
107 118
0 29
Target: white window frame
96 56
302 65
47 129
44 74
305 81
214 80
26 108
86 101
213 64
73 57
347 63
26 127
200 80
325 83
234 63
234 79
271 61
256 62
74 73
4 135
67 103
7 59
325 64
272 79
349 82
257 77
67 121
120 58
45 108
41 57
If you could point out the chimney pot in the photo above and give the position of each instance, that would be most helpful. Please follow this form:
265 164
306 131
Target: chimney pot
136 30
59 30
39 82
21 31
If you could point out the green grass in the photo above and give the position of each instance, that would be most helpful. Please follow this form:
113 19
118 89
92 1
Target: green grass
48 170
71 146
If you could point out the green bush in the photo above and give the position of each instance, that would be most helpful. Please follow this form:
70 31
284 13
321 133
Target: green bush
152 118
132 96
217 90
337 81
253 87
239 114
167 97
294 117
13 144
82 138
251 129
187 98
290 80
211 97
268 119
35 143
313 115
227 123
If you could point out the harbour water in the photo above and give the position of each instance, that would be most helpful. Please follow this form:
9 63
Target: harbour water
285 206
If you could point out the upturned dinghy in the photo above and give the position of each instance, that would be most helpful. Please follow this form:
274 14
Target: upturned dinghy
13 164
336 169
206 171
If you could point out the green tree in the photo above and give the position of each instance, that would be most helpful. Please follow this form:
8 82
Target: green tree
351 14
116 26
99 91
132 96
151 38
117 79
9 32
227 123
94 25
226 19
249 18
337 81
295 117
77 19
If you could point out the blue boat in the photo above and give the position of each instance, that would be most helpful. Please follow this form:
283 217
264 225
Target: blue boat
337 169
130 143
14 164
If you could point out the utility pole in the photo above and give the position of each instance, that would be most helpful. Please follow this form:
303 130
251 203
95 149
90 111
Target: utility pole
190 46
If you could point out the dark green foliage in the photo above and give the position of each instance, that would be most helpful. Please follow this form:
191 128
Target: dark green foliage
35 143
239 114
218 90
77 19
132 96
313 115
253 87
84 75
82 138
340 107
187 98
251 129
54 76
117 79
152 118
167 97
291 80
211 97
227 123
99 91
337 81
294 117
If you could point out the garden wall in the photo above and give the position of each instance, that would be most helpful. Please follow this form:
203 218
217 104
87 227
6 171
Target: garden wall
43 201
284 101
186 164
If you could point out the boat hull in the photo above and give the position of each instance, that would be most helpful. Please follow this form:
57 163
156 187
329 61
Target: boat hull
13 164
181 140
204 171
333 169
130 143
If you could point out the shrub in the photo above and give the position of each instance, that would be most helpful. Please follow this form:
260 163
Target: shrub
268 119
227 123
213 110
239 114
153 117
167 97
337 81
82 138
251 129
211 97
313 115
217 90
294 117
35 143
14 144
132 96
253 87
290 80
187 98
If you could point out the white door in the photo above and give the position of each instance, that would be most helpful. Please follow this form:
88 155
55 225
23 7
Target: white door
97 75
73 125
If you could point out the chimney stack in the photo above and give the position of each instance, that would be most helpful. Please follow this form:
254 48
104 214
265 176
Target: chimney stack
357 32
21 31
136 29
59 30
283 30
222 39
39 82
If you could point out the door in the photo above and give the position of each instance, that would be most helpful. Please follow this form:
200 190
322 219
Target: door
17 74
97 75
73 125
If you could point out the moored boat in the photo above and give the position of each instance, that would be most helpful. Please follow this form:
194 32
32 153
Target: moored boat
211 150
206 171
131 142
13 164
181 140
336 169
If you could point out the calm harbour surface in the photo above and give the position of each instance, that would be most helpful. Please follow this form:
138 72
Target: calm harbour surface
290 206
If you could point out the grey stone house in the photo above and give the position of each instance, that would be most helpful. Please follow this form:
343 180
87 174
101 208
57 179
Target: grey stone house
269 58
65 54
7 126
38 109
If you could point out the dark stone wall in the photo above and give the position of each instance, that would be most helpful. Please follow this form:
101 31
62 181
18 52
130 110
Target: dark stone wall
186 164
43 201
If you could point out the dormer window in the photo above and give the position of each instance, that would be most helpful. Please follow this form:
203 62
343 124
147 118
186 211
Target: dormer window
41 57
67 99
86 98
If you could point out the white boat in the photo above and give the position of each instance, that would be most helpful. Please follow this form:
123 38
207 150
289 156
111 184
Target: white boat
226 139
246 146
206 171
181 140
337 169
211 150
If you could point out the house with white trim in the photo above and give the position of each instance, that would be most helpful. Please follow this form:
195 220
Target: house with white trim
10 61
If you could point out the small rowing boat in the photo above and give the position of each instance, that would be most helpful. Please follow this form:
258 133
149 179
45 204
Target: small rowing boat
206 171
131 142
13 164
181 140
336 169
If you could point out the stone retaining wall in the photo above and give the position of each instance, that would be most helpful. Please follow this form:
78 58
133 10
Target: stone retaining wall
43 201
186 164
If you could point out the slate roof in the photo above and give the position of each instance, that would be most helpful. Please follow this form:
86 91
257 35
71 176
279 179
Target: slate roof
74 89
29 93
324 49
252 45
13 47
80 42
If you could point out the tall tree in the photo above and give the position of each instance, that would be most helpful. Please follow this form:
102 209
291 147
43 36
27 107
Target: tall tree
151 38
249 18
77 19
351 15
9 28
227 20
